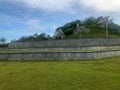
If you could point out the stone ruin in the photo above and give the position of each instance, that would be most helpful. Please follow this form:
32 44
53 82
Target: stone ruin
70 49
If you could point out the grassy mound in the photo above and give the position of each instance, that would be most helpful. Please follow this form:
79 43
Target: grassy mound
94 32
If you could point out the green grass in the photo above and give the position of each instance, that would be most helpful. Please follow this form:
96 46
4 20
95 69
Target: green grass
61 75
95 32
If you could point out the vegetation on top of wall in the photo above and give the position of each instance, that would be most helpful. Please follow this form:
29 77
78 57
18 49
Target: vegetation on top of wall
94 27
34 37
95 31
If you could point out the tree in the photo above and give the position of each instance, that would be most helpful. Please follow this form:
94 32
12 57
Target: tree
35 35
12 41
69 28
48 37
42 36
90 21
2 40
80 29
59 34
104 22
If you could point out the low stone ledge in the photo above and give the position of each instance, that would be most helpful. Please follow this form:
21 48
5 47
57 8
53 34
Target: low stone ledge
68 43
66 48
59 55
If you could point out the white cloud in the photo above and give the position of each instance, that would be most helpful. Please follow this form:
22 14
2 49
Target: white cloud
68 5
54 27
50 5
36 28
102 5
33 22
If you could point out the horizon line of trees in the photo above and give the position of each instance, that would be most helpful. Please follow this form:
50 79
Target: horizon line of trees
34 37
104 23
67 29
3 42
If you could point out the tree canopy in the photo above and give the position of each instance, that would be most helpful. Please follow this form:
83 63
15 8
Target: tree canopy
94 29
67 31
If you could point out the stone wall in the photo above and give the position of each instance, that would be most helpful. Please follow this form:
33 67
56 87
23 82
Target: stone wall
92 48
59 55
68 43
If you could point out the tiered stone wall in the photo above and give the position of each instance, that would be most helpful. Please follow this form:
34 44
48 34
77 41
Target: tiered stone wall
90 48
68 43
59 55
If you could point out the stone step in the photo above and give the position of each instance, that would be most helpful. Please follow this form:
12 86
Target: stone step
59 55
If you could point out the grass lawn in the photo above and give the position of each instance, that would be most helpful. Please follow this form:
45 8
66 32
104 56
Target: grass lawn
61 75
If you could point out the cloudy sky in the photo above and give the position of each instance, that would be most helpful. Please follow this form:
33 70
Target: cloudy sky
26 17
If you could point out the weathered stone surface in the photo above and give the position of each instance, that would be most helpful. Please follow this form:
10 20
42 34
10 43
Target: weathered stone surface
59 55
68 46
68 43
65 48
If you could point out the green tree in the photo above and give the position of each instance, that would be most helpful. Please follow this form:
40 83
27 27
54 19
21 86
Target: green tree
104 22
3 40
69 28
89 21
